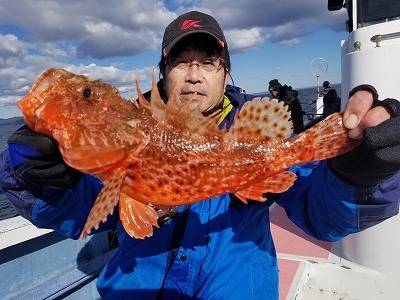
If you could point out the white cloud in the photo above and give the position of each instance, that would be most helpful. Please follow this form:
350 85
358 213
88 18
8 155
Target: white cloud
10 49
98 38
107 40
123 80
290 42
284 21
53 50
243 39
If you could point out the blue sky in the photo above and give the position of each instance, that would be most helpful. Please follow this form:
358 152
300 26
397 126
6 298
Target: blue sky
113 40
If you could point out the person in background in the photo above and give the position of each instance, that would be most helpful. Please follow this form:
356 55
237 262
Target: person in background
219 248
289 96
331 99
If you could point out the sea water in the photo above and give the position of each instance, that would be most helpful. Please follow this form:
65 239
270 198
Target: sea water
307 98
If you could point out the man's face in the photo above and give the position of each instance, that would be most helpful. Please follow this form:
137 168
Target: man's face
204 87
274 93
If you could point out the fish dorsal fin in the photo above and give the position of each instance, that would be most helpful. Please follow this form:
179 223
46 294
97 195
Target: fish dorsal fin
196 123
180 117
278 183
261 119
156 107
188 117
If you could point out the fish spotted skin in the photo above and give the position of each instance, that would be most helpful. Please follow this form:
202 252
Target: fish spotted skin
157 154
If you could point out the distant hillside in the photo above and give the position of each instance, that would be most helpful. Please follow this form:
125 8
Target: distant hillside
7 126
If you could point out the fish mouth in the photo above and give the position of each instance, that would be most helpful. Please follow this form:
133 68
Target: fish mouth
34 99
33 103
46 79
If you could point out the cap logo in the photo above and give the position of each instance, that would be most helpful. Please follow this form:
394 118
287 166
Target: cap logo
190 23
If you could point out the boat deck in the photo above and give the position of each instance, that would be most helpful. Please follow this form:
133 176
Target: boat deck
295 249
309 269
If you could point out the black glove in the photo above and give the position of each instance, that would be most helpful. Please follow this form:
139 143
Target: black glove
378 156
37 160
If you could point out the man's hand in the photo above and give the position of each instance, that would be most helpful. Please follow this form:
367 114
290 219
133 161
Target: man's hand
37 161
359 112
378 123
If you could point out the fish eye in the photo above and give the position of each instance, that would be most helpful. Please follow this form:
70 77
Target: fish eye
87 93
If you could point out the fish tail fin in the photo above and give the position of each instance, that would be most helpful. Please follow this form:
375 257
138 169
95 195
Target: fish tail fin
326 139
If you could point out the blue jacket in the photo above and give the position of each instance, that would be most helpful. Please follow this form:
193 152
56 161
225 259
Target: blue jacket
226 249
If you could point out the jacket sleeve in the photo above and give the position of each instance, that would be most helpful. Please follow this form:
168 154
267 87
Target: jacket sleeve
329 208
297 115
63 210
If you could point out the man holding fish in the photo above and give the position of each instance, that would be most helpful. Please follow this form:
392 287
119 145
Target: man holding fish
220 247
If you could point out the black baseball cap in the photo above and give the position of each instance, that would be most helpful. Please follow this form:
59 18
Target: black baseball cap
190 23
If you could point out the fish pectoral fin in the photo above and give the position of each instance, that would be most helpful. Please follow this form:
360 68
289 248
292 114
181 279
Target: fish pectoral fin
137 218
261 119
278 183
104 204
